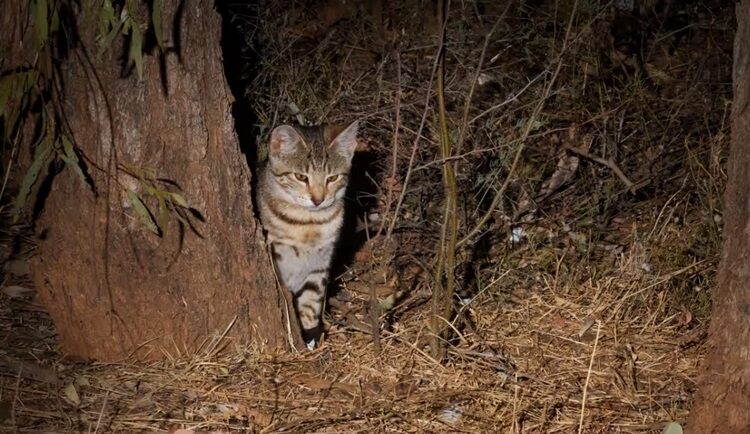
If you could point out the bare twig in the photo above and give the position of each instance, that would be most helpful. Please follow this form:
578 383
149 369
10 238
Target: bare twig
414 144
605 162
527 130
588 376
475 79
394 163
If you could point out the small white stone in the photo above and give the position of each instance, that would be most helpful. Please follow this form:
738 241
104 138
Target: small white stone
516 234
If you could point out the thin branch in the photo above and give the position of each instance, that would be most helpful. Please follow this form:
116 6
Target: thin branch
446 259
475 79
588 377
527 130
605 162
414 144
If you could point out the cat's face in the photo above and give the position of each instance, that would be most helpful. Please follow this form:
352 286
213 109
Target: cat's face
311 164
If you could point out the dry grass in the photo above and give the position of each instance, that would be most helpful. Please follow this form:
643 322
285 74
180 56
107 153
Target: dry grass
593 320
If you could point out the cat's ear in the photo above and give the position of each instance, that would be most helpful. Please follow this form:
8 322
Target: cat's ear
284 140
345 142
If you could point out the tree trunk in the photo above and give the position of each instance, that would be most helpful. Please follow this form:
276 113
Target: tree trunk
113 288
722 404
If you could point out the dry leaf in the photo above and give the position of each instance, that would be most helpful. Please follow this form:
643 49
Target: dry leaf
567 166
71 394
672 428
17 267
15 291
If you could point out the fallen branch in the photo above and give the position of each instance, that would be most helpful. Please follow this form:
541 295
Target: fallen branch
605 162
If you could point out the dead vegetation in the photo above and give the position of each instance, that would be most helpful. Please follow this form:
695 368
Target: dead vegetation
589 147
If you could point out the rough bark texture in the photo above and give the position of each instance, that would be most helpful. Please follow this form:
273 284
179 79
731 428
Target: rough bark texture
723 402
113 288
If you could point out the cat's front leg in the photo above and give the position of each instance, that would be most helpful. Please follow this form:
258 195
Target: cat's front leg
309 305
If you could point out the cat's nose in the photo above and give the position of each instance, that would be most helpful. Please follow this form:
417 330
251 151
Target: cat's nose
317 200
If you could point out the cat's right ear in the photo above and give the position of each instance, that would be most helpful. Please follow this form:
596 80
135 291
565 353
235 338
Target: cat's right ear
284 140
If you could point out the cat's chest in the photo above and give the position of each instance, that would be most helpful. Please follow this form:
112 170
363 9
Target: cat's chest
312 236
303 230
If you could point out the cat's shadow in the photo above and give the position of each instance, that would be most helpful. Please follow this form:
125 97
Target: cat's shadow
361 198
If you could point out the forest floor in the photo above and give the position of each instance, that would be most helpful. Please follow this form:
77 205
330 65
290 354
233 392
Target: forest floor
582 303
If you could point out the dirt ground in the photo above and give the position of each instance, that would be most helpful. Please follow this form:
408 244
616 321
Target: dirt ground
583 300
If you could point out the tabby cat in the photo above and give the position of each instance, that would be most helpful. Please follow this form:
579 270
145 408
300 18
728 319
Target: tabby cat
300 196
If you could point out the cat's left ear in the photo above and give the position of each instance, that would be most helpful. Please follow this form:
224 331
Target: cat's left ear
345 142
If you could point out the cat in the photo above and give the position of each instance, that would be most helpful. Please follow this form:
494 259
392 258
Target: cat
301 191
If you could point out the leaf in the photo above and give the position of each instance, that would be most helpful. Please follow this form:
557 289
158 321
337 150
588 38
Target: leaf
70 158
179 199
142 212
54 24
672 428
17 267
109 26
106 17
136 50
163 218
157 22
40 22
15 291
40 159
72 394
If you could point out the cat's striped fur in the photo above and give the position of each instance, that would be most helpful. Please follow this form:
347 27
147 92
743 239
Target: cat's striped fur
300 197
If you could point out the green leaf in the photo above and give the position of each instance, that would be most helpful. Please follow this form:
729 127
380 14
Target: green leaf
163 218
106 41
54 24
41 157
136 50
157 22
70 158
178 199
110 25
40 22
142 212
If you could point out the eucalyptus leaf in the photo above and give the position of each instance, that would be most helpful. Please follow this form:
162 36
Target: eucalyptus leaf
40 22
136 50
70 158
163 218
142 211
156 20
178 199
41 157
54 24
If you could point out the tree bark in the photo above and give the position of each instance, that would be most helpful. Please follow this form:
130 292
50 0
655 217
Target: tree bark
722 404
113 288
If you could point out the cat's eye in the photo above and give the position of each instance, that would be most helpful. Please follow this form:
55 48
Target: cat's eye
300 177
333 178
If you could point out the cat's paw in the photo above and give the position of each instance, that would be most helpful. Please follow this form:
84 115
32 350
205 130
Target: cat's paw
311 344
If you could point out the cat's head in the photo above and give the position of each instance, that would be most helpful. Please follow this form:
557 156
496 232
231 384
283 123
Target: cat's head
312 164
